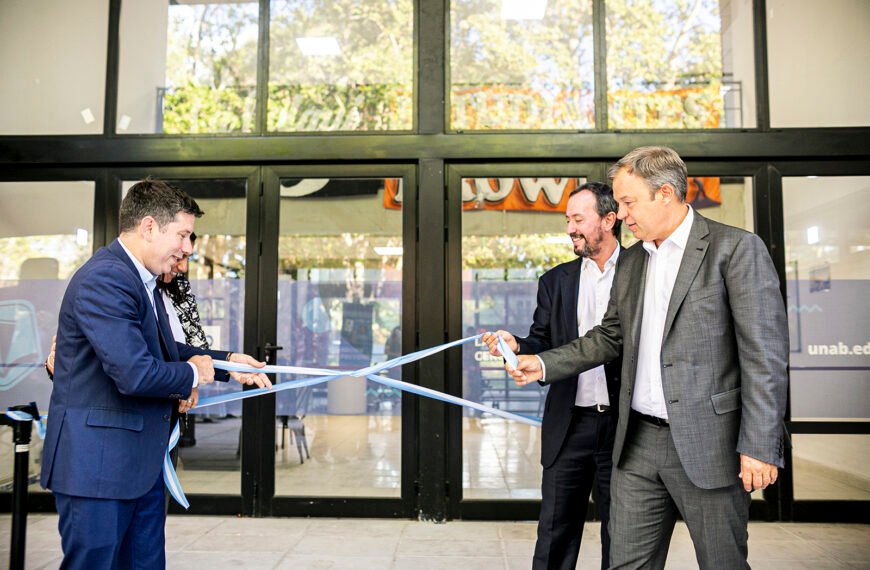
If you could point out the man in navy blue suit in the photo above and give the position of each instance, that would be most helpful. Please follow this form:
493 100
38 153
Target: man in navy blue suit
118 375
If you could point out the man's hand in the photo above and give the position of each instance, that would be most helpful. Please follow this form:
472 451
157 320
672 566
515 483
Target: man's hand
190 403
527 371
249 378
756 474
491 341
49 361
205 368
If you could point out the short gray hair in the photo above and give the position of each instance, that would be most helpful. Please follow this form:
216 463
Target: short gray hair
657 165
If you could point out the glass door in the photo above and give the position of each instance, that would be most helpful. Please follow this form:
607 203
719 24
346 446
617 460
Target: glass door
334 296
511 222
212 455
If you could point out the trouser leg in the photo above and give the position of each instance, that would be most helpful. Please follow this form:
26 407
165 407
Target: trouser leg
642 513
565 492
716 518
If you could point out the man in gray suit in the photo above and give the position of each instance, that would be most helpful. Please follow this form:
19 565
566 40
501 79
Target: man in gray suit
697 314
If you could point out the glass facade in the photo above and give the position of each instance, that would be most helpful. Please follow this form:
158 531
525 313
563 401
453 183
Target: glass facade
827 240
187 68
521 65
678 65
39 252
336 87
828 281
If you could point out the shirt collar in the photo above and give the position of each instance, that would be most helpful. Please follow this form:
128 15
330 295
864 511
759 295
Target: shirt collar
148 278
679 237
611 261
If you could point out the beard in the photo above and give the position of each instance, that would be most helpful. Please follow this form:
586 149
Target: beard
591 243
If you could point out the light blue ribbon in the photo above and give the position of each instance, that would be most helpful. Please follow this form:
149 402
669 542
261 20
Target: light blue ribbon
507 353
20 416
323 375
170 477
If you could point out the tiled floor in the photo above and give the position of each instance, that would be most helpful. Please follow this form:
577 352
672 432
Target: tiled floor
360 544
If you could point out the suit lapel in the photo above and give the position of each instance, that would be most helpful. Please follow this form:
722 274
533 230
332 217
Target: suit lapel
118 250
570 290
696 249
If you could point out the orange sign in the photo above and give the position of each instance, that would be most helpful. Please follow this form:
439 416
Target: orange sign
538 194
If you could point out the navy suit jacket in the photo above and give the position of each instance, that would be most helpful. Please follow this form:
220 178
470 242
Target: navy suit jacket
555 324
114 387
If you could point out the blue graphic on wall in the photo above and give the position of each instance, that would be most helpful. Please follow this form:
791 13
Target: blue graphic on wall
20 349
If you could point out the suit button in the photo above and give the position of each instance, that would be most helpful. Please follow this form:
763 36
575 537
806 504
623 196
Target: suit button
165 418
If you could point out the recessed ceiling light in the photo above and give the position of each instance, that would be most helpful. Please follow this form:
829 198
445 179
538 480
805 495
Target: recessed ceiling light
523 9
318 46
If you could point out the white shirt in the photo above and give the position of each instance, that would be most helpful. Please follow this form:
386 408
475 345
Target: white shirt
149 281
661 274
174 321
592 299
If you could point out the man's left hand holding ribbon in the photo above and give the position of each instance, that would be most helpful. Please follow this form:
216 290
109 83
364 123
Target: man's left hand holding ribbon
245 378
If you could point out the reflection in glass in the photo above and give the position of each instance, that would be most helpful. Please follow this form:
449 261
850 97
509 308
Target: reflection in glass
512 232
831 466
336 66
54 75
521 65
827 253
339 306
40 249
680 64
200 78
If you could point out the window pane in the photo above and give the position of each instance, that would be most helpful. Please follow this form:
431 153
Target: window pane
53 71
341 65
340 302
40 249
827 253
831 467
680 64
209 458
511 234
521 65
187 67
818 83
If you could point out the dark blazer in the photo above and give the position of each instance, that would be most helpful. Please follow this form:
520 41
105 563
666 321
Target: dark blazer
555 324
114 386
724 351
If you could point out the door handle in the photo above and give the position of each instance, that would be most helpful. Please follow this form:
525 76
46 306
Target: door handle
271 352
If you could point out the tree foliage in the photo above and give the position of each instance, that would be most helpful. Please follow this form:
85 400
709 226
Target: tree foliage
664 66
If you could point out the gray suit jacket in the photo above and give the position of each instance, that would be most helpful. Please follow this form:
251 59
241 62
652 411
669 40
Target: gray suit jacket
724 351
